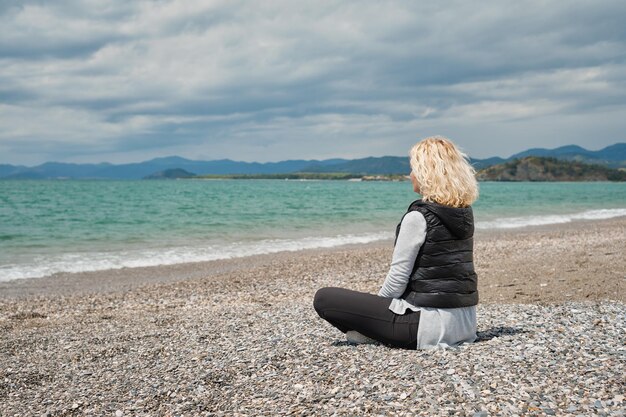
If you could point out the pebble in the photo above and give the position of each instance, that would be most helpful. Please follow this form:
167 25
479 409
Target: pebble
155 363
227 352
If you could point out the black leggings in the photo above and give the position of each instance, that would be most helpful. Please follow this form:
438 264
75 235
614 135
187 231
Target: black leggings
369 315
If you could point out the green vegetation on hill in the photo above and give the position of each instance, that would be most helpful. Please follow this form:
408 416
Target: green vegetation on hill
535 168
530 168
170 174
307 176
288 176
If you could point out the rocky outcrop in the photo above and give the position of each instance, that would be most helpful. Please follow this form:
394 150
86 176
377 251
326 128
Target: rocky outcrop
549 169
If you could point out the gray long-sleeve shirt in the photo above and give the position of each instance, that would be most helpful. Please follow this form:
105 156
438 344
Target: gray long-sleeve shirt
438 327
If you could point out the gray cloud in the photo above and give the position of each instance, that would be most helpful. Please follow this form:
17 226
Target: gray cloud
122 81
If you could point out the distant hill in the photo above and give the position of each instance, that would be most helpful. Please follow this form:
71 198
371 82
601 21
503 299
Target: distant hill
386 165
372 165
534 168
613 156
170 174
54 170
479 164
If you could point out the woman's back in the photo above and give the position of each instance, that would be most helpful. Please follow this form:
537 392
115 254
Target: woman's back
429 296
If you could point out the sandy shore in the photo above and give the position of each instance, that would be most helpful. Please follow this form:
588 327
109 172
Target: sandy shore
240 336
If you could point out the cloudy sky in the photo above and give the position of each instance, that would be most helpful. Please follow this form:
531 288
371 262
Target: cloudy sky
122 81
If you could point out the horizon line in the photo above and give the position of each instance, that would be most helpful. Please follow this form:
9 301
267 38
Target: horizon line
288 160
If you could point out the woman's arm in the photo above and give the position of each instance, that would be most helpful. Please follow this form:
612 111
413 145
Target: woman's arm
410 239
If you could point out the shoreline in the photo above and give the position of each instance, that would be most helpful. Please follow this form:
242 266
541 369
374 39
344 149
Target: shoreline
241 337
115 280
130 278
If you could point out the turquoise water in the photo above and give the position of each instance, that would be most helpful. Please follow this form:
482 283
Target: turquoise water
53 226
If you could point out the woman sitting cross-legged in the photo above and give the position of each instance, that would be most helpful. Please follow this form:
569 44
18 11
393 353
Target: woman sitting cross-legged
429 297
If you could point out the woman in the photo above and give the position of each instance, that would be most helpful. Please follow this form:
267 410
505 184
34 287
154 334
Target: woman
428 299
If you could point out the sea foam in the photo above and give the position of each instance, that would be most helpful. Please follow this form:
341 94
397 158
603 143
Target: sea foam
46 265
539 220
98 261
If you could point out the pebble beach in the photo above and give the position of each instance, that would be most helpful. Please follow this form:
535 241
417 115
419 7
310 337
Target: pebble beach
240 336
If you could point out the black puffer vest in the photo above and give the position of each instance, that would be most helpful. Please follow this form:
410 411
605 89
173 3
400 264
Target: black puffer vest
443 275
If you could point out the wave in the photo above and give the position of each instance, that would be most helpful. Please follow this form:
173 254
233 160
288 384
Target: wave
46 265
515 222
99 261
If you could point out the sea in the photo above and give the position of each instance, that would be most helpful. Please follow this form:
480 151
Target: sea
55 226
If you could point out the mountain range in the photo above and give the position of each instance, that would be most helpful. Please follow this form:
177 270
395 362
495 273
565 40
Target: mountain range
613 156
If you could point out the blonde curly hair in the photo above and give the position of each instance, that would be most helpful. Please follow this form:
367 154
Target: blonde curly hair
443 172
